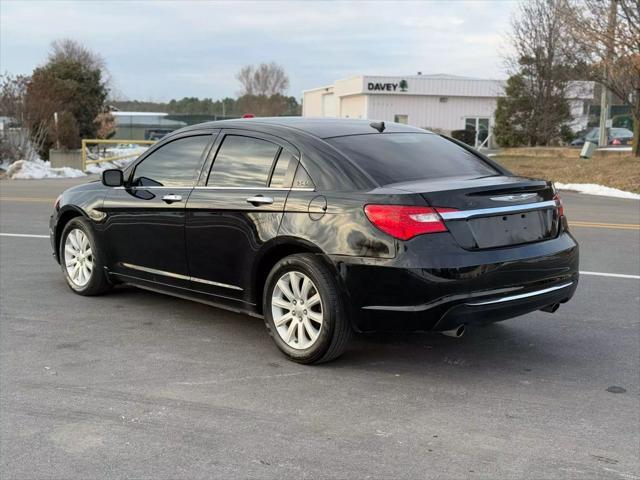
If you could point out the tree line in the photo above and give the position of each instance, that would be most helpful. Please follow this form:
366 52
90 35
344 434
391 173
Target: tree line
263 93
272 105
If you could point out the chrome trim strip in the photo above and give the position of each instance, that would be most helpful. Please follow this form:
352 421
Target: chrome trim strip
442 300
273 189
179 276
216 284
520 296
153 270
464 214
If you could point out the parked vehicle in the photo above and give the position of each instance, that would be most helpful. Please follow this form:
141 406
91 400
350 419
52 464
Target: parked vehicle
615 136
322 227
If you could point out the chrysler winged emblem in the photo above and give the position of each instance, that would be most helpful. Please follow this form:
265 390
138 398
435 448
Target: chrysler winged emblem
513 198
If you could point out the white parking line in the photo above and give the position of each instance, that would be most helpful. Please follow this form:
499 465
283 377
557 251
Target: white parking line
615 275
27 235
597 274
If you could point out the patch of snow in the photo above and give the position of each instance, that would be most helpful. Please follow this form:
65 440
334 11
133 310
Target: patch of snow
125 149
100 167
36 169
595 189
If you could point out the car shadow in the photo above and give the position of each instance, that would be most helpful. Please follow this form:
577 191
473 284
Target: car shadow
516 345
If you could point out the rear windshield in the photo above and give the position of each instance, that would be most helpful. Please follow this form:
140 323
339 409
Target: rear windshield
401 157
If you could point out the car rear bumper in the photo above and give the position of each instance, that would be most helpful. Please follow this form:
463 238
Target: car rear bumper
476 287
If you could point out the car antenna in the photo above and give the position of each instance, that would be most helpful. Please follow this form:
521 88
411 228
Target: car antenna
378 126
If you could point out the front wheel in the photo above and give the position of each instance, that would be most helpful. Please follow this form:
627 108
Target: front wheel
304 310
81 259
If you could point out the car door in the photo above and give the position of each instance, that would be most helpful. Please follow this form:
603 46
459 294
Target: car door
144 228
235 209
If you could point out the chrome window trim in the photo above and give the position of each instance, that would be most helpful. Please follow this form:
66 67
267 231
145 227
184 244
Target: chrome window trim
179 276
155 187
521 295
464 214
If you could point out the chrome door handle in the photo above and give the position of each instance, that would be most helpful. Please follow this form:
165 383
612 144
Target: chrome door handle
260 200
172 198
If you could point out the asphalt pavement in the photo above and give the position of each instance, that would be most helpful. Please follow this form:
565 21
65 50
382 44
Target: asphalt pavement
137 384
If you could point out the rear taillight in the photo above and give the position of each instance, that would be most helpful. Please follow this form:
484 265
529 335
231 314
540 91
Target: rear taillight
559 204
615 141
405 222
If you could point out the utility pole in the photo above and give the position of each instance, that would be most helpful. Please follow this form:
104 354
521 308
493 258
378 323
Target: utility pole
605 97
55 122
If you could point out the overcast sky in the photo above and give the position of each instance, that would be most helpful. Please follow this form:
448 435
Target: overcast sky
172 49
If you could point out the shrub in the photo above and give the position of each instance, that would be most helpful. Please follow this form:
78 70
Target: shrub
465 136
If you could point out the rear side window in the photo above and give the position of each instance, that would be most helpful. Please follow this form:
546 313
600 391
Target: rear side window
402 157
283 170
172 165
243 162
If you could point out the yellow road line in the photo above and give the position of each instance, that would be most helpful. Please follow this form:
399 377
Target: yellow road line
612 226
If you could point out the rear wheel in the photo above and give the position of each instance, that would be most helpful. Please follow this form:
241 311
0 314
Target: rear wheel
81 260
304 311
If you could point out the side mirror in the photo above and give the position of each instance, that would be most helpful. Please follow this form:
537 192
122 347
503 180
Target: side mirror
113 178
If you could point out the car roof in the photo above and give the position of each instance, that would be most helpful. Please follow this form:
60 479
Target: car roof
319 127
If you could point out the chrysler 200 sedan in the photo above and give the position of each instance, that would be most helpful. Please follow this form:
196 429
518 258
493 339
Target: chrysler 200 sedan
322 227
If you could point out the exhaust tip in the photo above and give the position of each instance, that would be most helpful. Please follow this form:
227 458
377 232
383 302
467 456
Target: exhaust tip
551 308
456 332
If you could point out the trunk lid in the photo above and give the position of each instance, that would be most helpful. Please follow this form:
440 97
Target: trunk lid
491 212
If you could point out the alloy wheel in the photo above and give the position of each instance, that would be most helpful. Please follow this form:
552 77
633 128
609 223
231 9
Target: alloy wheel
78 257
296 308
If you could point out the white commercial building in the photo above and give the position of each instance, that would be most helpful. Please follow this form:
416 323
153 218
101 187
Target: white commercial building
437 102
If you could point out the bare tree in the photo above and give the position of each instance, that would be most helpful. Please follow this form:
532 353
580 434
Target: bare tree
12 96
537 110
15 143
610 45
67 49
106 125
42 100
266 79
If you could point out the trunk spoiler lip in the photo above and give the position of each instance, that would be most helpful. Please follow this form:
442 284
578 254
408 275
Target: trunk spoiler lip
484 212
471 185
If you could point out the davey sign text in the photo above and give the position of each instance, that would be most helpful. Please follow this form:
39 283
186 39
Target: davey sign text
402 86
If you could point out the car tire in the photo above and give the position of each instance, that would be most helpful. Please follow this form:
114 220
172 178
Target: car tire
82 259
315 334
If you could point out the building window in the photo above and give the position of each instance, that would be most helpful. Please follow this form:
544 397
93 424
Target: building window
479 125
401 119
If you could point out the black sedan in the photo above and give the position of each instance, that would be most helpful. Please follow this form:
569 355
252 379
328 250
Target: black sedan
322 227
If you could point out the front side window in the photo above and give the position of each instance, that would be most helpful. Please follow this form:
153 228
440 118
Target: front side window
243 162
175 164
